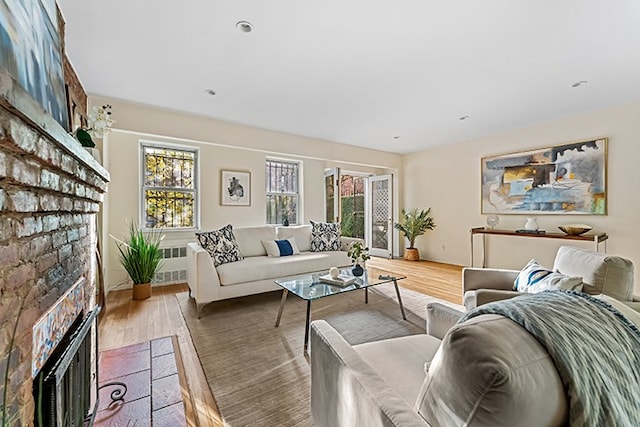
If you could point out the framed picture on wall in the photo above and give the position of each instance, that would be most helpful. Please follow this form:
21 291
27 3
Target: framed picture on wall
236 188
562 179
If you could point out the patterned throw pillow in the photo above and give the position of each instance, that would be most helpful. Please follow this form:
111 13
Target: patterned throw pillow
283 247
534 278
221 245
325 236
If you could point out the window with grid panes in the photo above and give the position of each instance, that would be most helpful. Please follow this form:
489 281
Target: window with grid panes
282 183
169 187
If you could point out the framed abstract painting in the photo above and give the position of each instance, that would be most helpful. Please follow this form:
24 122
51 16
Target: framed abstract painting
30 50
236 188
562 179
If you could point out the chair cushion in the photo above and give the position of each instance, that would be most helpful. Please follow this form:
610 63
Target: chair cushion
535 278
282 247
491 372
601 273
325 236
400 361
478 297
302 233
221 245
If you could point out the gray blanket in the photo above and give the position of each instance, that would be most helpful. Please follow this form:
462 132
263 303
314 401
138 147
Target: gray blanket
594 347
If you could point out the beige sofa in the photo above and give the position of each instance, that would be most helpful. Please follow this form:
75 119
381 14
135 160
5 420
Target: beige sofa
486 371
601 274
256 272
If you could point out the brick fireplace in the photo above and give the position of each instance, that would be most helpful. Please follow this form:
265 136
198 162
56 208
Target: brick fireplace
50 194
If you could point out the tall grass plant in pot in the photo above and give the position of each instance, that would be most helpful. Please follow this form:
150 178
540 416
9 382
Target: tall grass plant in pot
141 257
414 223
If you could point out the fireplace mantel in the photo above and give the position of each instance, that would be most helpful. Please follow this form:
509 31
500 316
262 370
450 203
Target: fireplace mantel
51 189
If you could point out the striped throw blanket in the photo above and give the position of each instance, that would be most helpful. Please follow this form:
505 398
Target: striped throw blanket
594 347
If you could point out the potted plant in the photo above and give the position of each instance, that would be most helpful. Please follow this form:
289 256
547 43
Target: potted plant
140 255
413 224
358 252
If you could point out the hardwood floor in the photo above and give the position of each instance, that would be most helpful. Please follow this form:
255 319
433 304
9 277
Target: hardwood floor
128 322
436 279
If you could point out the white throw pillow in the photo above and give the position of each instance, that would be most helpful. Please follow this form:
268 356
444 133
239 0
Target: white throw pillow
535 278
283 247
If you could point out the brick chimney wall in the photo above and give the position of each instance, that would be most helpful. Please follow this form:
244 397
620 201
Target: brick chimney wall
50 194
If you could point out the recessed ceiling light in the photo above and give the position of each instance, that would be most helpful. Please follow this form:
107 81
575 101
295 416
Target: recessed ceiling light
580 83
396 137
464 117
244 26
210 92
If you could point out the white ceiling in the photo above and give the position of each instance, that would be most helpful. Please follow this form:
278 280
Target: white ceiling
362 71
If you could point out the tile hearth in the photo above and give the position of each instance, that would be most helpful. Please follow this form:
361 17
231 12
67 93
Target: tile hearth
154 393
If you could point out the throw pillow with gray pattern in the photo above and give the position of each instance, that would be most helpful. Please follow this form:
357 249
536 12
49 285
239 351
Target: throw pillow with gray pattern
221 245
325 236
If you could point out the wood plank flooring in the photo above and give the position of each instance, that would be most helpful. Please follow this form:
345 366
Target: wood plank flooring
129 322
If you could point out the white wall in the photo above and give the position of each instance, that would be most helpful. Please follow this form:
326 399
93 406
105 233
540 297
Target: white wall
222 145
447 178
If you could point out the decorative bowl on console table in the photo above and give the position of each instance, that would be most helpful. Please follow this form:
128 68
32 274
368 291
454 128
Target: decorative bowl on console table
575 229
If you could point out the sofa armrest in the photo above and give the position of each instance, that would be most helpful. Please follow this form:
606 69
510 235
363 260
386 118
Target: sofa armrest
346 242
635 304
440 319
346 391
488 278
202 278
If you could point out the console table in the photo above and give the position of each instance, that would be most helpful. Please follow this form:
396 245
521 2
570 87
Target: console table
596 238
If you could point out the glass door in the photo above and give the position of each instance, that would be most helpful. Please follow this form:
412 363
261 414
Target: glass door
380 224
352 205
332 195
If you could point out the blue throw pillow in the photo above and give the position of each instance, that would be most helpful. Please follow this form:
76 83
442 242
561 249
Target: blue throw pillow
278 248
285 247
535 278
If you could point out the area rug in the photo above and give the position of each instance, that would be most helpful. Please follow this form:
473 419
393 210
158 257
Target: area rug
258 373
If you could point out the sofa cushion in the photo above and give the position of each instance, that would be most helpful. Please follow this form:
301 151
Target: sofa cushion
281 247
400 361
221 245
262 268
534 278
601 273
325 236
491 372
302 233
250 239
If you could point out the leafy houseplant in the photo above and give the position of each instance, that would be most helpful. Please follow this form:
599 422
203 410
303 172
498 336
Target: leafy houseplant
414 223
358 251
140 255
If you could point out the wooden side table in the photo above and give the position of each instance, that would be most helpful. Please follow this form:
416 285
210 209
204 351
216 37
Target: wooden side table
596 238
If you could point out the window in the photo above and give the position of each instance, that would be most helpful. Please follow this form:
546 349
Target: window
169 187
281 180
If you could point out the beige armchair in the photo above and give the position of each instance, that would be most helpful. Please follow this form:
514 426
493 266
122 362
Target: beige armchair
601 274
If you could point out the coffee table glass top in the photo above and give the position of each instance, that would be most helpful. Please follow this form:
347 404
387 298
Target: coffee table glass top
309 287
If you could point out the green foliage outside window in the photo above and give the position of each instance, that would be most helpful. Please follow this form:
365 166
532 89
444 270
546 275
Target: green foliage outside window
169 187
352 223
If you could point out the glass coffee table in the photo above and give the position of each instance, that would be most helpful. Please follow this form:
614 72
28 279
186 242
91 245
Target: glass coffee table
309 287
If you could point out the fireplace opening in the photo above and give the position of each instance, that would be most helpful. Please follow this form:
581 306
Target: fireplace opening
65 389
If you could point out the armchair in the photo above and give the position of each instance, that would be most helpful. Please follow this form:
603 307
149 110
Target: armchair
601 274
